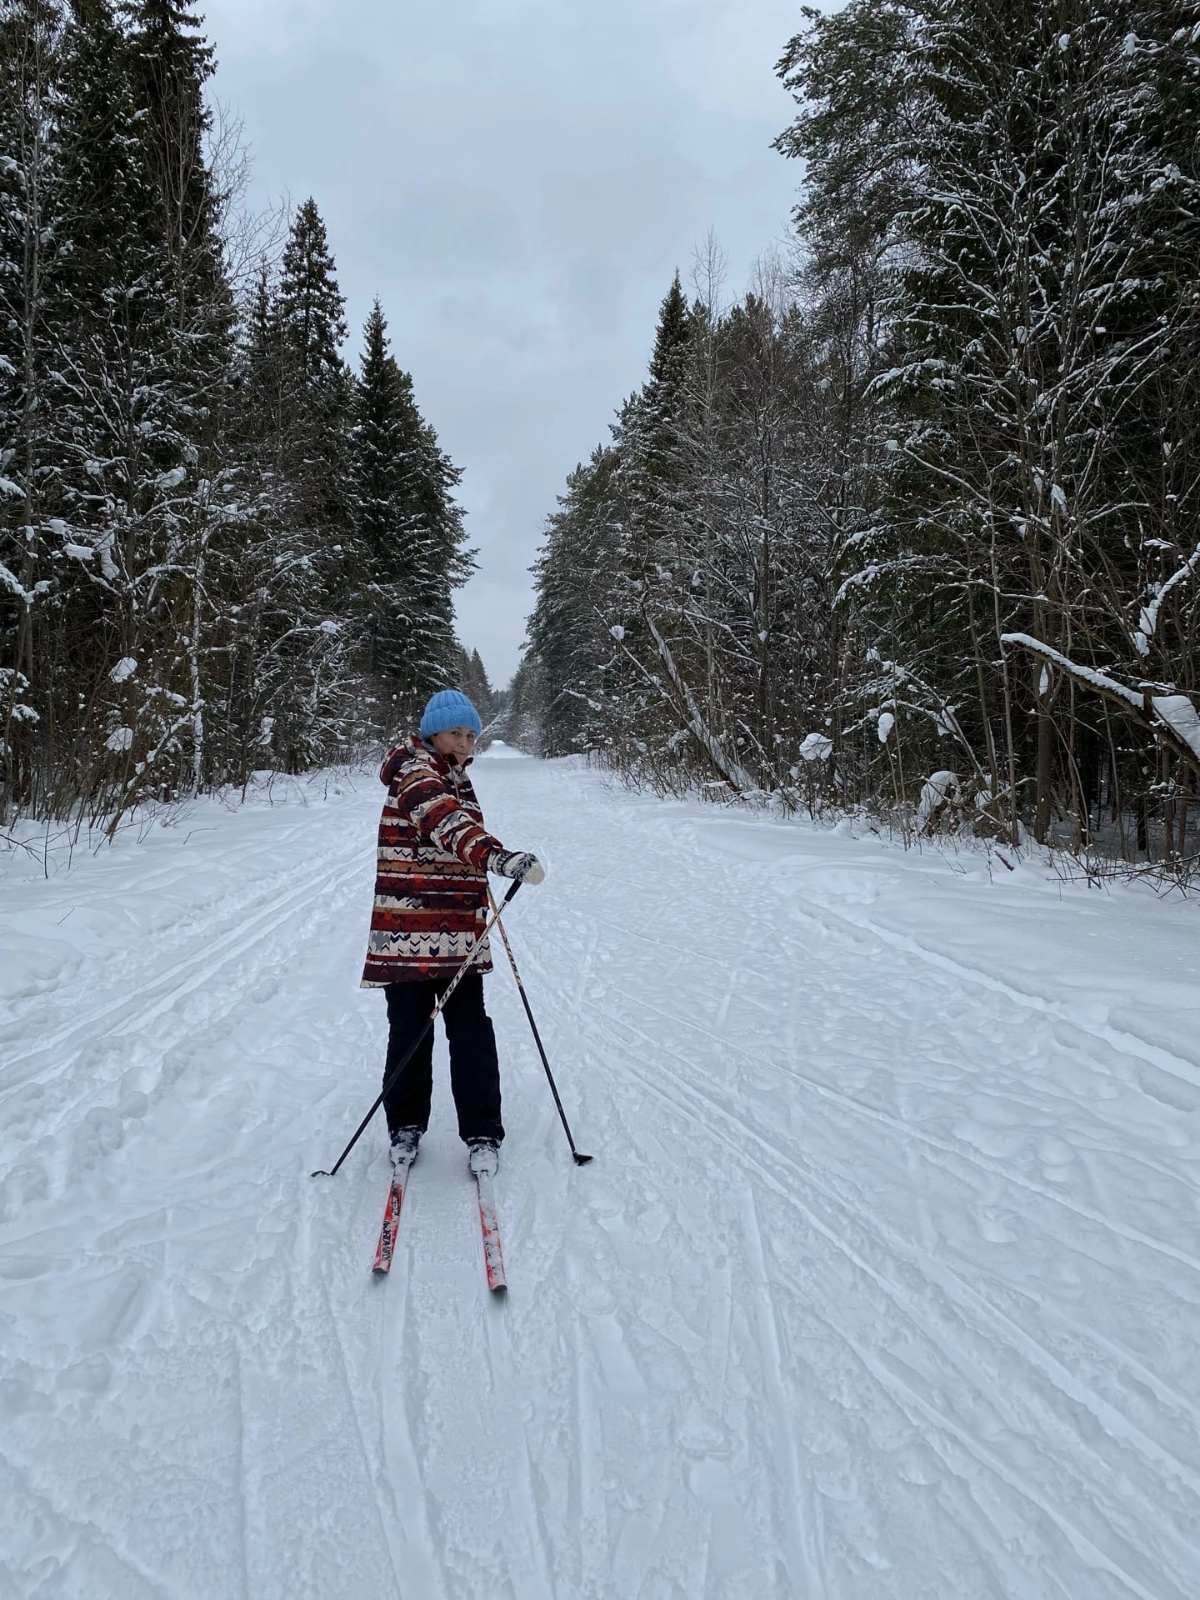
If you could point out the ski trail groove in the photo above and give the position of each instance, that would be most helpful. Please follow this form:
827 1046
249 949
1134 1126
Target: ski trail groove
351 1406
958 1152
902 1303
935 1272
1119 1039
191 973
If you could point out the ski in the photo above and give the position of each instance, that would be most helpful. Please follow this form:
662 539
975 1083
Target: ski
493 1258
390 1226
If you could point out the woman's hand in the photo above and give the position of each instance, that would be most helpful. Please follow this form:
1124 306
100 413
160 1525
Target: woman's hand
518 864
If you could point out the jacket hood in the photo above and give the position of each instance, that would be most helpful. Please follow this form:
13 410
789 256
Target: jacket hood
395 759
414 745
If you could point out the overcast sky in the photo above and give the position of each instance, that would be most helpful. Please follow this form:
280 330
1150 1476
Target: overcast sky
516 180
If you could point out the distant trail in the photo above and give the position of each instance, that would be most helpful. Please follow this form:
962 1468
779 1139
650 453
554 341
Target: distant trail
878 1285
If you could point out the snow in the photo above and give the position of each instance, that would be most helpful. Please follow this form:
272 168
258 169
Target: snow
815 747
119 739
1179 713
938 788
884 1281
1098 680
1174 711
1159 593
885 725
125 668
10 581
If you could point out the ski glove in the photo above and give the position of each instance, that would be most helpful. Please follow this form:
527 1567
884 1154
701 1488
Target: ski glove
518 864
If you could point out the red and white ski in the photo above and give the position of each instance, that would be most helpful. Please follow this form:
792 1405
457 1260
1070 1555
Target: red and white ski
493 1257
390 1226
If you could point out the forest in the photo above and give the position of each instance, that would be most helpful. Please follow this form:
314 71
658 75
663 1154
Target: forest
912 525
909 527
222 550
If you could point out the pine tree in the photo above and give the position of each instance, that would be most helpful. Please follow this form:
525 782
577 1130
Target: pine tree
481 690
124 414
651 430
643 590
311 310
310 315
438 561
170 63
109 284
567 637
384 525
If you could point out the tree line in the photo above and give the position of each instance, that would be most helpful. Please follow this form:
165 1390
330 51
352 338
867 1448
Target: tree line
913 524
221 549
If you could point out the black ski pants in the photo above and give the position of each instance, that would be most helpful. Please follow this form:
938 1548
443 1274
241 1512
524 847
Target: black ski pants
474 1069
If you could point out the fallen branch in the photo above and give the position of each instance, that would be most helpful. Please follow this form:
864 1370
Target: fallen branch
1172 719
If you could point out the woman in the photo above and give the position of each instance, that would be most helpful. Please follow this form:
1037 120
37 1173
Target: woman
430 909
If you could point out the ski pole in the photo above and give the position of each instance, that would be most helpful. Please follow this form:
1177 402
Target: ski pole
321 1172
537 1038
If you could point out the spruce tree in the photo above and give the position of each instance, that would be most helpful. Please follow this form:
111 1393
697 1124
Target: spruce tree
310 314
124 415
381 522
311 309
644 587
438 561
568 642
170 64
29 64
481 690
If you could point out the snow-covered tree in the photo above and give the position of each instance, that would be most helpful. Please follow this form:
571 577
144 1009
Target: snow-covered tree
29 63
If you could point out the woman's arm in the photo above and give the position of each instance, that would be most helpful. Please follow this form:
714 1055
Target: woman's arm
426 800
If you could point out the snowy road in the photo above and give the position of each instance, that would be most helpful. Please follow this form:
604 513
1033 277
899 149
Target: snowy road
885 1282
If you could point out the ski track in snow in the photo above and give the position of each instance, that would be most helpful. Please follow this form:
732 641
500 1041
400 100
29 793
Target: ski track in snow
885 1281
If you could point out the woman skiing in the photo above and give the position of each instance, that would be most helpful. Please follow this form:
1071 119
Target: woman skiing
434 855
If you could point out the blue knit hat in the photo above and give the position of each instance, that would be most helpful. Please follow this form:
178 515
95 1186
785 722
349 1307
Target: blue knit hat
449 708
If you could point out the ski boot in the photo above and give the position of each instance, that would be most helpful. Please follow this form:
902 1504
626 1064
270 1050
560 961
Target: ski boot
483 1157
404 1144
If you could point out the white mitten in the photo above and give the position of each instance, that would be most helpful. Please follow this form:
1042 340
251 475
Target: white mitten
518 864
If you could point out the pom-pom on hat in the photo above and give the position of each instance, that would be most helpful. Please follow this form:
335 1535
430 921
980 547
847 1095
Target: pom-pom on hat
449 708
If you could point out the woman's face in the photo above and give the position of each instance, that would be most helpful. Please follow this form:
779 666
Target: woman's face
456 742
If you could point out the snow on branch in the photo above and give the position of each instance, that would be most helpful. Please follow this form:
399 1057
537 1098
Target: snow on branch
1148 621
1171 718
10 581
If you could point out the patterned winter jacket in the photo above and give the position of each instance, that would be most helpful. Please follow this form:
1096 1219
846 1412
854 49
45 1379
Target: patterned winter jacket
431 872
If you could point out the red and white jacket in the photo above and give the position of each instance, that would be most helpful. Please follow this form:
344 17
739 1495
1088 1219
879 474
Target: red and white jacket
431 873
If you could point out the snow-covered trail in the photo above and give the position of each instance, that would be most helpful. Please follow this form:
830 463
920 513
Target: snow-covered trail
885 1281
